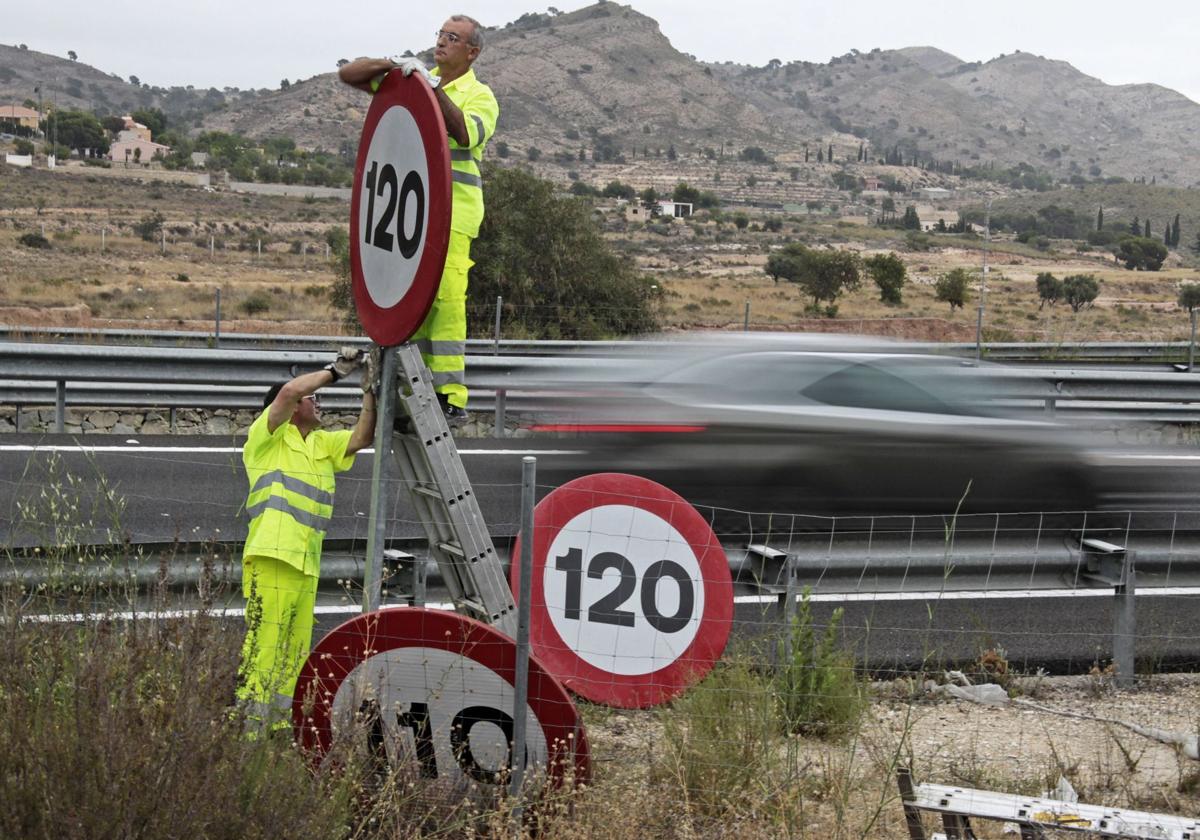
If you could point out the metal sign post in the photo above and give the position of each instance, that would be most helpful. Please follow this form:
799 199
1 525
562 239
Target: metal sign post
385 413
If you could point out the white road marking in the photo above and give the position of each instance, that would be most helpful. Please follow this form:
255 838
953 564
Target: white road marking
835 598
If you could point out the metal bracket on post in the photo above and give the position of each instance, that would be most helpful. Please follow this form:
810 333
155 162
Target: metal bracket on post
401 565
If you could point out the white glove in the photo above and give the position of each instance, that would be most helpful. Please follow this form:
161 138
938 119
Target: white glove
348 360
408 66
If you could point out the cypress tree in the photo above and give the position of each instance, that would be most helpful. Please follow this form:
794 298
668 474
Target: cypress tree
1135 227
1100 219
829 157
1147 228
820 156
1175 232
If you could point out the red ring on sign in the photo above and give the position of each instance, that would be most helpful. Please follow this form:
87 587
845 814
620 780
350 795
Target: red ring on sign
389 326
629 691
353 642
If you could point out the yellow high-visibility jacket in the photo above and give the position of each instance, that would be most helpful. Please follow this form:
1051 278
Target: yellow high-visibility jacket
291 491
480 109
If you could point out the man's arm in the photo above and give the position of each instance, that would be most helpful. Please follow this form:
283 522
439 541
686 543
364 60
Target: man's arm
456 123
362 71
364 430
289 396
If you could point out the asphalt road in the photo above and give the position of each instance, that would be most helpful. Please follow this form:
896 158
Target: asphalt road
192 489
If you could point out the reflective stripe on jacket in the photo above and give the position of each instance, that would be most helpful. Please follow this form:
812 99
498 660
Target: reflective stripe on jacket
480 112
291 480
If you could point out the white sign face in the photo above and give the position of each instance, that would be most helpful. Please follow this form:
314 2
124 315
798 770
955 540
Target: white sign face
393 211
623 589
449 715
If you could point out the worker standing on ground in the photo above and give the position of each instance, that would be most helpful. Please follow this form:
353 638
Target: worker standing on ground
290 462
470 110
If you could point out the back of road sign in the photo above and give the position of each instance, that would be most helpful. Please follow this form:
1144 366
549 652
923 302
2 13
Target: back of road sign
400 209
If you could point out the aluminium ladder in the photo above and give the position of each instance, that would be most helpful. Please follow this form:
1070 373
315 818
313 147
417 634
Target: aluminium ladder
445 503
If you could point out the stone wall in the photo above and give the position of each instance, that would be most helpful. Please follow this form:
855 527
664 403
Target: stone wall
184 421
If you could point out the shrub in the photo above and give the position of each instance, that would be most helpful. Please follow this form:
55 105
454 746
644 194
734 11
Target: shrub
719 739
255 304
816 687
150 226
34 240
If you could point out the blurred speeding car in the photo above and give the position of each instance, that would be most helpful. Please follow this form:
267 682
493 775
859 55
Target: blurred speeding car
810 425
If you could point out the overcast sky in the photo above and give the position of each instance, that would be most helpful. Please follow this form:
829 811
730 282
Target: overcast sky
219 43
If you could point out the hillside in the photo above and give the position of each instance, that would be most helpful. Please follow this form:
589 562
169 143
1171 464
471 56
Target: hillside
606 74
74 84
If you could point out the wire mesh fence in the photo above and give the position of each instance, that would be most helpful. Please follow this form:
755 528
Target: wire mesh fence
976 650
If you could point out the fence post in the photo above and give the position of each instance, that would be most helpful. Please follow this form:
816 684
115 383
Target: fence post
60 406
521 683
746 318
501 393
163 231
1125 623
212 247
103 233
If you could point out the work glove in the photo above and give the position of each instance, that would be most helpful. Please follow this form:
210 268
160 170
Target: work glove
348 360
408 66
370 375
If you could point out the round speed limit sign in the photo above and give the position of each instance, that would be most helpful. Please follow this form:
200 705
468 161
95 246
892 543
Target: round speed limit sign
631 594
399 210
433 691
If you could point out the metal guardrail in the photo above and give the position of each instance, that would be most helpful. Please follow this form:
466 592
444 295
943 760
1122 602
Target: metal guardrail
103 376
1144 352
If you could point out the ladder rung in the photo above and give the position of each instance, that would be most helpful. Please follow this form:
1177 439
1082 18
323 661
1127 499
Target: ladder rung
453 548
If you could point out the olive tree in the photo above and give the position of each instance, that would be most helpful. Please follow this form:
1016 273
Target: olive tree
951 288
1050 289
1080 291
823 275
889 274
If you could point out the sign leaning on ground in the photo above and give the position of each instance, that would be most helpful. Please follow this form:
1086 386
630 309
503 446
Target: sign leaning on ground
434 692
399 210
631 600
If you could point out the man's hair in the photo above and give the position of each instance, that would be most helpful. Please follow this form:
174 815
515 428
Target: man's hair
476 39
272 393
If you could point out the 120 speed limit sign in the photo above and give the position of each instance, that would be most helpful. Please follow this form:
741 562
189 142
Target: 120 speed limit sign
400 209
631 597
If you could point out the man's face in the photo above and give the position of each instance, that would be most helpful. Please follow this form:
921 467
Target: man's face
308 412
452 51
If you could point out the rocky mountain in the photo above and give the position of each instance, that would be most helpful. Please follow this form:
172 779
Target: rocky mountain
605 78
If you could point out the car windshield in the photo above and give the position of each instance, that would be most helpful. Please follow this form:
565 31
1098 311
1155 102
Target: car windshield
791 379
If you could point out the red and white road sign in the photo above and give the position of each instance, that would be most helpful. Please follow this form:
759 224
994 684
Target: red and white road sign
632 600
400 209
438 688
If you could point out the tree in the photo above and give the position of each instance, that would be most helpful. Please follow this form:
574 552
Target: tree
546 256
1175 232
342 62
1141 254
23 146
1050 289
684 194
889 274
71 54
754 154
152 118
822 274
1100 219
1080 290
951 287
284 84
77 130
671 154
741 221
1147 227
911 220
616 189
1135 227
133 80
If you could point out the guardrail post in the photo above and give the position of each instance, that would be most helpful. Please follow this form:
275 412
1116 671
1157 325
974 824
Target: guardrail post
1192 343
385 414
217 320
171 420
521 682
60 406
1125 623
501 394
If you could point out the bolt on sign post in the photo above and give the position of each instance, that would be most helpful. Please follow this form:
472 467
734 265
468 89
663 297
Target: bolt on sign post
433 694
399 210
631 596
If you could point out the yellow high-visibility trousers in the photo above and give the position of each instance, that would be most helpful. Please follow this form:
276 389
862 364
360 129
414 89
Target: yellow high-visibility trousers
442 338
279 624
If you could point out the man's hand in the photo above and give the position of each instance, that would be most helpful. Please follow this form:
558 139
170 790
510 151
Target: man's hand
348 360
408 66
370 374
